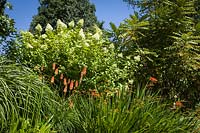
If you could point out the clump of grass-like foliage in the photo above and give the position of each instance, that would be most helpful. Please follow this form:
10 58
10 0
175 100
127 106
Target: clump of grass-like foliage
24 100
129 111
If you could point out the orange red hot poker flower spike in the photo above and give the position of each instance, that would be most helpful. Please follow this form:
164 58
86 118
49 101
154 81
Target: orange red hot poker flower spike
65 89
65 81
61 76
56 71
54 66
71 85
52 79
76 84
68 84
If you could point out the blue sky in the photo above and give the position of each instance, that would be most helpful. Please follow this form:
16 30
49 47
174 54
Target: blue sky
106 10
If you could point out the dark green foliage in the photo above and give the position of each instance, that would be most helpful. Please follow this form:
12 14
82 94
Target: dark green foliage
197 8
173 33
65 10
6 23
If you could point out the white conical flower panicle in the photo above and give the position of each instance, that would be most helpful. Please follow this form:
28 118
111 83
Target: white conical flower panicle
98 33
38 28
29 46
60 24
48 28
137 58
112 46
120 55
86 44
81 22
96 36
98 30
105 49
44 36
71 24
44 47
81 33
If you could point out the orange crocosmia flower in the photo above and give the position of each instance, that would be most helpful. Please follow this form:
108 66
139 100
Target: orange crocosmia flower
179 104
54 66
153 79
95 94
71 85
84 70
52 79
56 71
65 81
65 89
76 83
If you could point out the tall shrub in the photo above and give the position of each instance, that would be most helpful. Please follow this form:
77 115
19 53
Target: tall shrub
174 35
70 49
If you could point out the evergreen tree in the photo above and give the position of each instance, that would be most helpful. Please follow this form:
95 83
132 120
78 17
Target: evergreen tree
6 23
50 11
